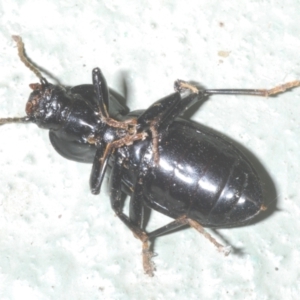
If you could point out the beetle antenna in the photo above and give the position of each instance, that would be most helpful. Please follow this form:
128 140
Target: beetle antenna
24 58
14 120
37 70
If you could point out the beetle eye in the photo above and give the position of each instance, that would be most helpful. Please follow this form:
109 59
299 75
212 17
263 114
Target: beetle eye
33 102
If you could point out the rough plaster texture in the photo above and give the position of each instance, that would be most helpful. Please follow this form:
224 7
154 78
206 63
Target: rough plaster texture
57 241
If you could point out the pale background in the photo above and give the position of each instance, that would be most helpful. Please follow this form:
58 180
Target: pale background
57 241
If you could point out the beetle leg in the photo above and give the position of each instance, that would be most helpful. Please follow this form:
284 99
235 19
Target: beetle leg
101 91
181 85
182 221
102 96
101 158
136 206
158 111
199 228
189 95
163 112
176 224
281 88
153 116
255 92
116 203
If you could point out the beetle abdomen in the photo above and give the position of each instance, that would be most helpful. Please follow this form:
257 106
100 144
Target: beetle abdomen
203 176
237 196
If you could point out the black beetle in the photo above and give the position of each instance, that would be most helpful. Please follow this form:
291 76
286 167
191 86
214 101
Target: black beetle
162 162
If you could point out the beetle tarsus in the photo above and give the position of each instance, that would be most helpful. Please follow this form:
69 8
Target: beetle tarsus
225 250
148 265
199 228
282 88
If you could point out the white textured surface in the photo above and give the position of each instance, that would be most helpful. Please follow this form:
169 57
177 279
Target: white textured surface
57 241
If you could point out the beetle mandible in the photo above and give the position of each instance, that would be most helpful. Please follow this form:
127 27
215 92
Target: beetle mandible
161 161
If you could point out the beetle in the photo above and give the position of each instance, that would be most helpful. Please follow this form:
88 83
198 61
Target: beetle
163 162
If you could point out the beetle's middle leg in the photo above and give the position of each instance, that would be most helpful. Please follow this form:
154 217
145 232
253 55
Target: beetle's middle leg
182 221
134 223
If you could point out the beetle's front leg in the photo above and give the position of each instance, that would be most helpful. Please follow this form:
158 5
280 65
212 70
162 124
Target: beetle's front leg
136 212
101 90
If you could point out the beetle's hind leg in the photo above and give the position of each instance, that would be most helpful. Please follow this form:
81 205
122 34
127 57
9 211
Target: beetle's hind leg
281 88
163 112
199 228
255 92
182 221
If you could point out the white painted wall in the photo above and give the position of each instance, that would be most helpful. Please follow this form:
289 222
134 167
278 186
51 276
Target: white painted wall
57 241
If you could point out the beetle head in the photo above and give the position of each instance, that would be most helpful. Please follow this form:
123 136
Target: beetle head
47 104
